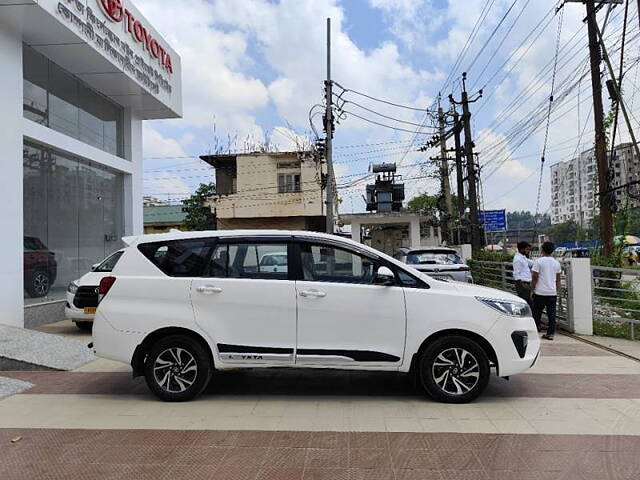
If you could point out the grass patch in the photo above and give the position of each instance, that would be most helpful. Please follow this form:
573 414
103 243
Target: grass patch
603 328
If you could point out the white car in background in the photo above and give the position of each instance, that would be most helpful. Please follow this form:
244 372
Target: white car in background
178 306
82 294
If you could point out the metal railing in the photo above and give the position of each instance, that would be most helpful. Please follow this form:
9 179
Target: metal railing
500 275
616 296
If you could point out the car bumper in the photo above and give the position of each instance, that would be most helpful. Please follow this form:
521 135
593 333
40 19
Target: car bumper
511 361
114 344
74 313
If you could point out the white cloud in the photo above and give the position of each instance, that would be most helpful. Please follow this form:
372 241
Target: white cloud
156 145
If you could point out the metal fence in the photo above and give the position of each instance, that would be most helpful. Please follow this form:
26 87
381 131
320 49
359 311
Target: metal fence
500 275
616 296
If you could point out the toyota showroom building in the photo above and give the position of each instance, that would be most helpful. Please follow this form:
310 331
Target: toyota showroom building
77 78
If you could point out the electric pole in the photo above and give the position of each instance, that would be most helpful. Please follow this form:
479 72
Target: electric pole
328 118
457 130
476 238
606 217
444 179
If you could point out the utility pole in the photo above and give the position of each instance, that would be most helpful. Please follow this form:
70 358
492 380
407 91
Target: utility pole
476 238
595 56
457 130
606 217
444 178
328 116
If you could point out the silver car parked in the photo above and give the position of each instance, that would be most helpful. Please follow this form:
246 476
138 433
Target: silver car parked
438 262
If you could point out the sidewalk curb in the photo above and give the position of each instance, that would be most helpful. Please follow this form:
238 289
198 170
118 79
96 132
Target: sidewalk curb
602 347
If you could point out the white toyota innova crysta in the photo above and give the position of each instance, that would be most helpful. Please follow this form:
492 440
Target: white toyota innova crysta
179 306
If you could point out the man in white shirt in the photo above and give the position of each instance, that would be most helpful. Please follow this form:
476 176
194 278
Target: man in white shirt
545 285
522 272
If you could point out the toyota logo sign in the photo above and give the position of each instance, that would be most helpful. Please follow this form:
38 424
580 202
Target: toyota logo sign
112 9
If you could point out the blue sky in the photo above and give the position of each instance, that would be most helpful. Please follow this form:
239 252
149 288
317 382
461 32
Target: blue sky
252 69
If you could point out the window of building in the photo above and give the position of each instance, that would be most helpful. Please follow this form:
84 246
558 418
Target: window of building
289 183
55 98
73 209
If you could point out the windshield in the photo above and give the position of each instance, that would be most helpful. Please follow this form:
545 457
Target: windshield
433 258
109 263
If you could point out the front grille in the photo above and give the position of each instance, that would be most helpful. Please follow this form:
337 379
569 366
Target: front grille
86 297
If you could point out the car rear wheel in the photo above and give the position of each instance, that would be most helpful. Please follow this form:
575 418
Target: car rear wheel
84 326
177 368
454 369
39 284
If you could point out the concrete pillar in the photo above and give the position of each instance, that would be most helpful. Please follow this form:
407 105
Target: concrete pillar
11 181
356 232
133 184
580 298
414 232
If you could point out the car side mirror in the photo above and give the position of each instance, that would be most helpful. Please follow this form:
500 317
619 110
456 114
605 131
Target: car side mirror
94 266
385 277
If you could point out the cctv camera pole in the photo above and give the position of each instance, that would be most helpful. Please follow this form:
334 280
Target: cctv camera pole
328 118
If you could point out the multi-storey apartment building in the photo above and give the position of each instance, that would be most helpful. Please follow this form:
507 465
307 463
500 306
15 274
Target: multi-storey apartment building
574 185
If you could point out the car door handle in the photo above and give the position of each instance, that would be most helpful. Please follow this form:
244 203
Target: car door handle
312 293
208 289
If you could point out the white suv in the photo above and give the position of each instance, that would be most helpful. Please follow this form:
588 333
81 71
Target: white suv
180 305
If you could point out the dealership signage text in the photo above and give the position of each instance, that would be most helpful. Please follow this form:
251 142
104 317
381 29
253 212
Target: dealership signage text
98 32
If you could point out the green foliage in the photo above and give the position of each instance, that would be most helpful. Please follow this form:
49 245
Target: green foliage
525 220
611 329
199 216
566 232
431 206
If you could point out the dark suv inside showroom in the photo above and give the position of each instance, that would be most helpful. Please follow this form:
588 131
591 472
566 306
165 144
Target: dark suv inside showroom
40 267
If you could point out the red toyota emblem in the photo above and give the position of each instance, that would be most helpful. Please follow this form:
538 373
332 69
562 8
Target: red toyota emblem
112 9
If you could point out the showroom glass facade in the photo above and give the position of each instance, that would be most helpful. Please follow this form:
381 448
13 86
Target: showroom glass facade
73 218
55 98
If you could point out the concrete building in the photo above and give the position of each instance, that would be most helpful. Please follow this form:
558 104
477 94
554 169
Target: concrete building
390 231
78 77
268 190
574 185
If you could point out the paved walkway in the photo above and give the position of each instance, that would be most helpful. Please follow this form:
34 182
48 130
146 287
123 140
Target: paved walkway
576 415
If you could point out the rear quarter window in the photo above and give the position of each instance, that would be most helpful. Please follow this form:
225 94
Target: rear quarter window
178 258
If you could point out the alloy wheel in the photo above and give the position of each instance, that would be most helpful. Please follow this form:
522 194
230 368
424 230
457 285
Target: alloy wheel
41 284
175 370
456 371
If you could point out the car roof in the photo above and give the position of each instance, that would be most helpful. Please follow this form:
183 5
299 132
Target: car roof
178 235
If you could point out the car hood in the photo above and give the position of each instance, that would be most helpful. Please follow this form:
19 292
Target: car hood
469 289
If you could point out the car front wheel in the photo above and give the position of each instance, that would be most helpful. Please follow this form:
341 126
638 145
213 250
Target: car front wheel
177 368
454 369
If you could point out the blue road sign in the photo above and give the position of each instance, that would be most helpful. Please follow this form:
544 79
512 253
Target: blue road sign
493 220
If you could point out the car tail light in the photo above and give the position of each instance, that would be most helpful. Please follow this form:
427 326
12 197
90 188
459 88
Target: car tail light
105 285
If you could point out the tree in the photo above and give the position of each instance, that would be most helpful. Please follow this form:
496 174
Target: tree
199 216
431 206
567 232
525 220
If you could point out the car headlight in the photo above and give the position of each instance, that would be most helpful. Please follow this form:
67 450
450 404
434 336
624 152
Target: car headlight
72 288
512 309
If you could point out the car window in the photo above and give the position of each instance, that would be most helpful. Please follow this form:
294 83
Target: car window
433 258
266 261
409 281
178 258
109 263
324 263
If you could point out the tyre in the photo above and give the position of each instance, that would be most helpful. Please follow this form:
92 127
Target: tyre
177 368
85 326
39 284
454 369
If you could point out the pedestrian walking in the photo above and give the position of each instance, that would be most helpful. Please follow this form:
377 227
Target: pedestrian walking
522 272
545 284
